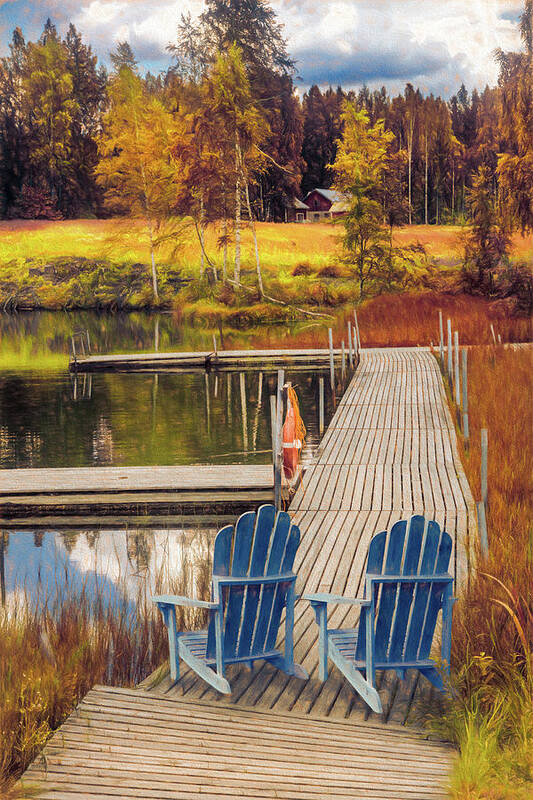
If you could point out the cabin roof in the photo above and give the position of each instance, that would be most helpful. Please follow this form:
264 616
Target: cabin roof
329 194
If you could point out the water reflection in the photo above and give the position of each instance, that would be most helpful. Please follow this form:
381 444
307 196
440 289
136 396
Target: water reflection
131 419
37 566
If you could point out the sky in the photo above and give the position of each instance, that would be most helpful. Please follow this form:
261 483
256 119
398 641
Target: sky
434 44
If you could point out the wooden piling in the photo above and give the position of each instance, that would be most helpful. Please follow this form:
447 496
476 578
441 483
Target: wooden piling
244 412
456 369
215 345
482 527
450 363
331 361
441 340
279 427
466 428
273 428
357 330
484 464
343 361
321 406
350 356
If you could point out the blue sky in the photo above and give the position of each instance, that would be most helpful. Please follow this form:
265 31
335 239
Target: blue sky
435 44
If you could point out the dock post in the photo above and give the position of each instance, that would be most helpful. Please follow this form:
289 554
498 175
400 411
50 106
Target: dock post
484 465
279 426
243 411
321 406
331 361
207 403
273 427
441 345
356 342
350 357
456 366
466 431
357 330
343 362
449 351
215 344
482 525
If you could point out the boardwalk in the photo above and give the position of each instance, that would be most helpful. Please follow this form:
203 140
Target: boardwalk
126 744
389 451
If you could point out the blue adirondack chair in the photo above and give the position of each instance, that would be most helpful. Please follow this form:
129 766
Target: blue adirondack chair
407 584
252 584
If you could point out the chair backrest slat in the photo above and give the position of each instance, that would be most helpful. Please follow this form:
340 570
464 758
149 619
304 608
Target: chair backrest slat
387 600
262 544
221 566
274 567
280 591
427 567
435 596
242 546
406 614
376 553
406 590
262 539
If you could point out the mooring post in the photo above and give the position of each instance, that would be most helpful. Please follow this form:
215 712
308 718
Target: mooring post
207 403
279 425
493 334
273 428
466 430
73 345
456 366
357 330
88 342
321 406
356 341
331 361
441 341
244 412
482 526
450 351
350 357
215 344
343 361
484 465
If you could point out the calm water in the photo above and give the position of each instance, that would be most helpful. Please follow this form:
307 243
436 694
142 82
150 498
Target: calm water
50 419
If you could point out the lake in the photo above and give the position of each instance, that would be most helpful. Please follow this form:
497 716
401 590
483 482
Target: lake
49 418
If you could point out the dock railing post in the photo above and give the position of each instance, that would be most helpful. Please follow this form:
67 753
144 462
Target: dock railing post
351 358
484 465
343 361
321 406
357 330
331 361
456 367
482 525
279 426
441 346
466 428
450 363
356 342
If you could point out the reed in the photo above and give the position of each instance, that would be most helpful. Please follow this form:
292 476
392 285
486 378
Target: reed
55 647
491 718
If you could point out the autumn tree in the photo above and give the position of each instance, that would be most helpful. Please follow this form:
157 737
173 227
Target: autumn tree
359 169
135 166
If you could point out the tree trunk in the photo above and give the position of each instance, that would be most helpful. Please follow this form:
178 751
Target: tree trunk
453 190
225 257
202 234
252 226
237 272
152 258
410 156
426 184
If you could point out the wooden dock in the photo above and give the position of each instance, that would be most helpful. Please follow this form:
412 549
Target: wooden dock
123 744
221 360
389 451
86 491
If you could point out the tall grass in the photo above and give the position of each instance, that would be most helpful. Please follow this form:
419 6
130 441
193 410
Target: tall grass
491 718
54 648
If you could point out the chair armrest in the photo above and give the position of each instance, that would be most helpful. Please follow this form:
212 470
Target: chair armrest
178 600
321 597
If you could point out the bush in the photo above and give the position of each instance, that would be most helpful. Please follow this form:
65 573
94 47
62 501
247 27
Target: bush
304 268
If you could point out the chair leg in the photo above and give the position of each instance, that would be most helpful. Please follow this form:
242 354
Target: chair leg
321 614
169 618
361 685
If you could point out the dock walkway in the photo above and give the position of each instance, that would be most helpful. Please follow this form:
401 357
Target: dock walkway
389 451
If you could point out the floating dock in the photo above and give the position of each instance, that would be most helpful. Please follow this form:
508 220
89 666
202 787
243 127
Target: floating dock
138 491
228 360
